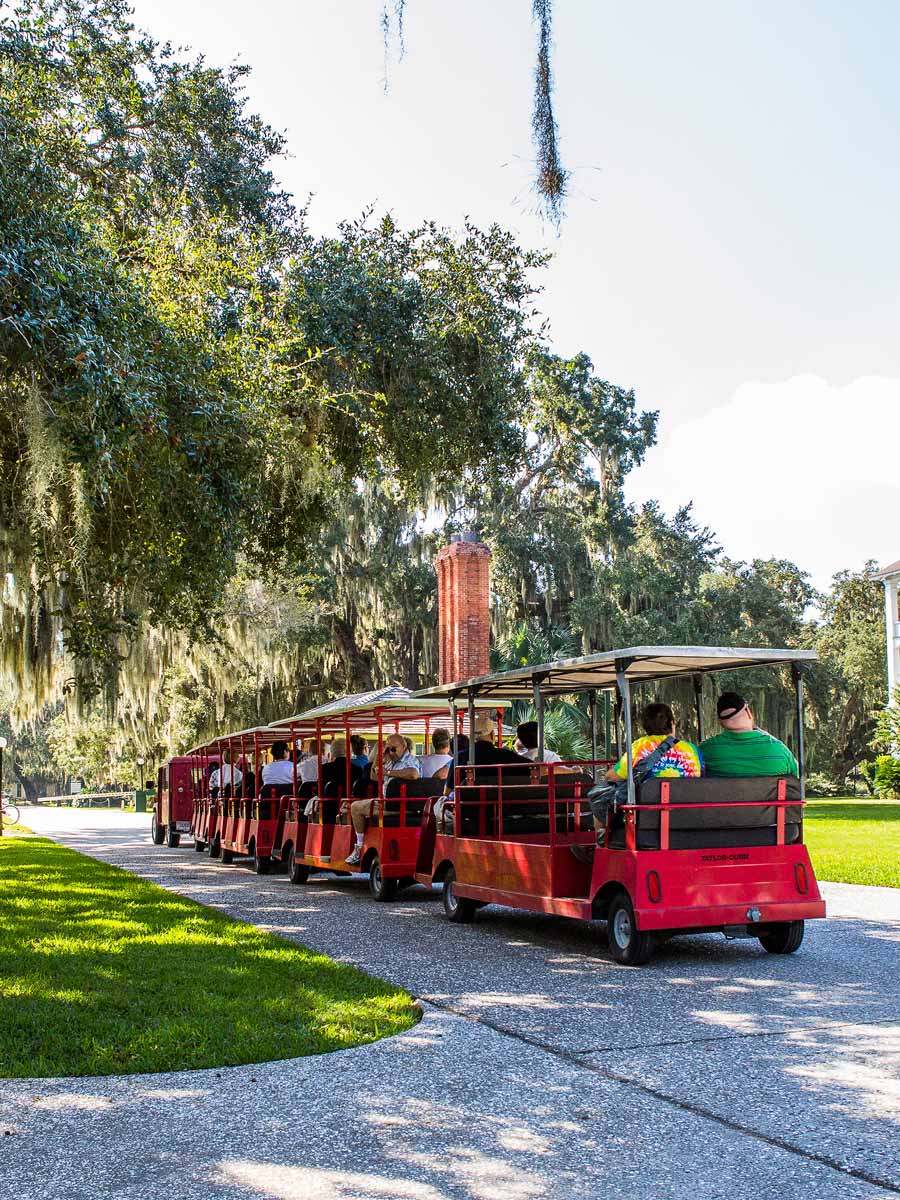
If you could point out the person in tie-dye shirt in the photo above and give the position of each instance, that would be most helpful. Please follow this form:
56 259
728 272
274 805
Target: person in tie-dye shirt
681 761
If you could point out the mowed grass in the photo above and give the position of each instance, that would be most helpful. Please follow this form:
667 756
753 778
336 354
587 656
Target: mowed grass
854 841
102 973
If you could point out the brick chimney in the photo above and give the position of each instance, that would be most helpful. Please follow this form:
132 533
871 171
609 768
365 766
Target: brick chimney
464 620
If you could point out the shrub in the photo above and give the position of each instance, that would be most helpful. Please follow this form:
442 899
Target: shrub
820 784
887 776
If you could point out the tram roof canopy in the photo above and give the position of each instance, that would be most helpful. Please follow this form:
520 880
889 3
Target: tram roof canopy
598 671
363 710
265 736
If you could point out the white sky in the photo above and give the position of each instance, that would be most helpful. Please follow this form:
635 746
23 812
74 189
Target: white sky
730 249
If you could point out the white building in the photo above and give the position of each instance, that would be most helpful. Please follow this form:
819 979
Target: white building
890 577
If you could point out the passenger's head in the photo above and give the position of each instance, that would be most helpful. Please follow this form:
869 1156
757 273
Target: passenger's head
409 744
309 746
358 744
339 748
226 755
279 750
658 720
527 733
734 712
484 728
461 747
395 745
440 741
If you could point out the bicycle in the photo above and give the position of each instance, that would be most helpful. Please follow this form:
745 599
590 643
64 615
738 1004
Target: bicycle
9 812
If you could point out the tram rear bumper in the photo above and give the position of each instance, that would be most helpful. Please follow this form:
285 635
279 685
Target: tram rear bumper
721 915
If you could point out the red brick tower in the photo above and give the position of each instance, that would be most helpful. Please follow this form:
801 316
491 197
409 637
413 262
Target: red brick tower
464 619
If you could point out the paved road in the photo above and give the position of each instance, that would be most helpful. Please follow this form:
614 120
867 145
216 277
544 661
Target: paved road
539 1070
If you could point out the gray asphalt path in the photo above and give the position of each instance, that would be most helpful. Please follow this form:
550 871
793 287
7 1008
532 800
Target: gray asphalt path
540 1068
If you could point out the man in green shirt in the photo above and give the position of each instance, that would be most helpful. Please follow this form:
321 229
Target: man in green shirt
742 749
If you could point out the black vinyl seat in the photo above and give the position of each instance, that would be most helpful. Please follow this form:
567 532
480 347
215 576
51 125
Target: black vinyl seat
526 807
416 792
714 827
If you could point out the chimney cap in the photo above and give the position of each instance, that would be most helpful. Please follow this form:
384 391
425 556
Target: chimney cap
466 536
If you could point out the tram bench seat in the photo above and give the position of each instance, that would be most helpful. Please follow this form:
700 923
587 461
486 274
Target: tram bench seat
525 808
710 828
416 792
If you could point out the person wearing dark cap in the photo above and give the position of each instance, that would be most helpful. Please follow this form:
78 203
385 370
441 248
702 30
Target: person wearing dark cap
741 749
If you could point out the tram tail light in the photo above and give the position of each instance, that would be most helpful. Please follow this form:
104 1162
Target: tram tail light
393 850
654 887
801 878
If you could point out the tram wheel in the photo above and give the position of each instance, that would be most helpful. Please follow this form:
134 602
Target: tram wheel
381 888
199 846
259 863
214 849
783 938
173 839
459 909
227 856
627 944
297 872
157 833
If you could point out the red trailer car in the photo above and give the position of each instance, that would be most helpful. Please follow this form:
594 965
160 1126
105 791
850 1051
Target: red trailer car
681 856
318 833
205 818
173 809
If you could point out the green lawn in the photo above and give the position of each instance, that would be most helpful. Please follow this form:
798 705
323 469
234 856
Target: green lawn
854 841
102 973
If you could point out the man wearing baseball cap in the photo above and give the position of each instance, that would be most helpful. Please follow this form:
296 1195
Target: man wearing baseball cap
742 749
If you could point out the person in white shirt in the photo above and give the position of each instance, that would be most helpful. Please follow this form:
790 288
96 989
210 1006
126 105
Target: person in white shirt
527 735
399 763
280 770
435 764
308 769
225 774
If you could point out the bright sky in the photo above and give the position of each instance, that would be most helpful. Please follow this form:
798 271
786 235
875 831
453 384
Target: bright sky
730 248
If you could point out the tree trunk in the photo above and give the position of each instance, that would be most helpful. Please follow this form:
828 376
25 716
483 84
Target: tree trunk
359 662
28 786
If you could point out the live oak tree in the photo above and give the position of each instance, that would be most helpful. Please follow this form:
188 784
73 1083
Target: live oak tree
187 375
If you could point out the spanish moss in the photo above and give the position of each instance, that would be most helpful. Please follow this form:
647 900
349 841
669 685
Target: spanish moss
552 178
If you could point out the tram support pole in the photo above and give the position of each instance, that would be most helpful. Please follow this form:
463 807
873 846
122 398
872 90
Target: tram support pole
470 695
592 710
698 705
536 681
622 665
797 674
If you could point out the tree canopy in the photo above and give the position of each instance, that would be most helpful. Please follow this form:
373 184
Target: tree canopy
230 449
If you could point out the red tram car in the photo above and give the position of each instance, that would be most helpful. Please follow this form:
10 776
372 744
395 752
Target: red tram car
173 808
318 833
681 856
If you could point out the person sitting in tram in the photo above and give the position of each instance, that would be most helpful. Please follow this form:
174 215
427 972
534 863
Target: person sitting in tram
487 753
436 764
459 756
334 771
280 770
399 763
226 774
308 767
527 737
359 747
741 749
672 758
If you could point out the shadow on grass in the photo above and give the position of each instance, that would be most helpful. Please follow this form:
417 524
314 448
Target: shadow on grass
104 973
